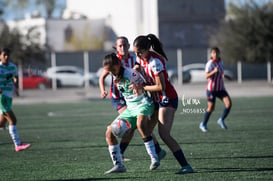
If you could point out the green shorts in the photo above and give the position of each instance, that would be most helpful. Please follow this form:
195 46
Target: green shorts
5 105
131 115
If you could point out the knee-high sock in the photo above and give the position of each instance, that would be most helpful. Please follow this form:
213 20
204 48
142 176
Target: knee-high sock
123 147
180 157
114 151
150 148
206 117
14 135
225 113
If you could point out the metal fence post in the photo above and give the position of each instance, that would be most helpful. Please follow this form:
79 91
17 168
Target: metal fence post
86 69
239 72
53 64
179 67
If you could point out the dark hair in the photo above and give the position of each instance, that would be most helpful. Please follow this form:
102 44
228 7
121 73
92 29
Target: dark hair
217 50
123 38
6 51
112 60
146 42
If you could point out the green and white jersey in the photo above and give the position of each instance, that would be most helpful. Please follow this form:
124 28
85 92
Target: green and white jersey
133 101
7 73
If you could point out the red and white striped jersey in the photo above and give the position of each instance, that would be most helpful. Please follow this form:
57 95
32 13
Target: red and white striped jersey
126 63
152 68
215 82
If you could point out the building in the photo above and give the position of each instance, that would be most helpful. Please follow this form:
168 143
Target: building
63 35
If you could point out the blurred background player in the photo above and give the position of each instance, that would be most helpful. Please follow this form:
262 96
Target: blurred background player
8 72
128 61
138 111
215 88
152 64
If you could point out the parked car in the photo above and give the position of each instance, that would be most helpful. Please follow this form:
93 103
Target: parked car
173 76
33 80
71 76
196 72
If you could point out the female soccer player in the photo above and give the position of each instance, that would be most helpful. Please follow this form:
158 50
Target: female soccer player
128 61
152 65
215 88
139 108
8 72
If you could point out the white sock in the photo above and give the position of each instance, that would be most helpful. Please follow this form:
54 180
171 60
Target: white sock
14 135
115 154
150 148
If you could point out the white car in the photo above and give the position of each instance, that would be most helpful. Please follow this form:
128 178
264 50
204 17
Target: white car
197 72
71 76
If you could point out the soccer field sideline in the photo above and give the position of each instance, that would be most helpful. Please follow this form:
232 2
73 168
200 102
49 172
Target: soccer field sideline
192 90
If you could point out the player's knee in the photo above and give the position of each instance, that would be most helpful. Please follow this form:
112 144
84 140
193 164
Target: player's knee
108 133
210 109
228 104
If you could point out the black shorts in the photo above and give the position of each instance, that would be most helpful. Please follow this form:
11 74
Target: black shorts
171 103
211 95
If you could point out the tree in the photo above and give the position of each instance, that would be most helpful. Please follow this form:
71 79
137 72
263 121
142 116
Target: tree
247 33
22 52
49 5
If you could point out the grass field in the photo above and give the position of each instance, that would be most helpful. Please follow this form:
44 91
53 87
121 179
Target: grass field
68 143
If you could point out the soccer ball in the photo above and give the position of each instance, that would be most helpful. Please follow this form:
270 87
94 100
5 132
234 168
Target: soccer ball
120 127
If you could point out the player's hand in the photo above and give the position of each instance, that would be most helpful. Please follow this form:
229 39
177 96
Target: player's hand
215 70
137 88
103 94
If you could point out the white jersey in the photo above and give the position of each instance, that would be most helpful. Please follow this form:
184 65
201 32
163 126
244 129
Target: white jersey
7 74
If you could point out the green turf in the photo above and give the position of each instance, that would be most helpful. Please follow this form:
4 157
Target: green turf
68 143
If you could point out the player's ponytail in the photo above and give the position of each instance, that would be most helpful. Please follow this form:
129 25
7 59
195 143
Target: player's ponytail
156 45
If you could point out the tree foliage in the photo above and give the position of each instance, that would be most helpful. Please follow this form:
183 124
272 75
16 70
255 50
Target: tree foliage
23 49
247 33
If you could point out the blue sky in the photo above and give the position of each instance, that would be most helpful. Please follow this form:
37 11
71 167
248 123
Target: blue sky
10 14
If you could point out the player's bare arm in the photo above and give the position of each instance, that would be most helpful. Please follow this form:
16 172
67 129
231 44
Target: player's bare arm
103 92
209 74
159 84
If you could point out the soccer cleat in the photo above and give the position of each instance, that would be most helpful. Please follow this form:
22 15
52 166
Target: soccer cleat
185 170
21 147
154 164
203 127
222 123
161 154
116 169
